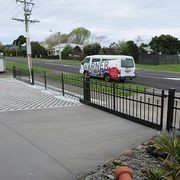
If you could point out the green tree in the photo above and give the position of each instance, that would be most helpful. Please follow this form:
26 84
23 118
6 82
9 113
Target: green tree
100 39
38 50
108 51
9 51
79 35
67 51
91 49
127 48
1 47
165 44
19 41
53 40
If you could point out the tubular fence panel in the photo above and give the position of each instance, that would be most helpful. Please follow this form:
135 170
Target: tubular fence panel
38 78
137 105
23 75
141 105
65 83
73 84
176 115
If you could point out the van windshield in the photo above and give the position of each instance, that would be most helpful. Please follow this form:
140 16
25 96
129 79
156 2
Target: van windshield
128 63
86 60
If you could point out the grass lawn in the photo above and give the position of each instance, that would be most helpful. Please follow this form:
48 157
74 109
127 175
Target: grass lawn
63 61
9 66
162 67
69 61
76 80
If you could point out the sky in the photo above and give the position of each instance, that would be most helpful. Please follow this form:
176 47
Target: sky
115 19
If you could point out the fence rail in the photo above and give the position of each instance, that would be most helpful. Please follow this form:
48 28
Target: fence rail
138 105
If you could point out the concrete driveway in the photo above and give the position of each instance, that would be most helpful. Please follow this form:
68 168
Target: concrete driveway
61 142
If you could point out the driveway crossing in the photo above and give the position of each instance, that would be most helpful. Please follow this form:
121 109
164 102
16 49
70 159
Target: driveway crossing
27 97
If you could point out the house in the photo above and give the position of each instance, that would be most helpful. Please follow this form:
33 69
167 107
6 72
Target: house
148 50
54 51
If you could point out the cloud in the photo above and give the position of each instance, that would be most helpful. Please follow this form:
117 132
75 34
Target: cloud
117 19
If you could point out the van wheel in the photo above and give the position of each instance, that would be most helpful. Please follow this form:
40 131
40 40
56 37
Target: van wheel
86 74
122 80
107 77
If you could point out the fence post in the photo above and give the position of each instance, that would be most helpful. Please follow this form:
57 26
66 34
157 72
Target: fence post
62 81
14 72
114 96
162 108
29 75
20 73
45 81
32 74
86 88
170 110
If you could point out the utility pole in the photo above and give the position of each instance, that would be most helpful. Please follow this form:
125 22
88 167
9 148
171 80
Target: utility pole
28 5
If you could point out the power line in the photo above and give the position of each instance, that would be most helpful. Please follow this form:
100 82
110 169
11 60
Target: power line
28 6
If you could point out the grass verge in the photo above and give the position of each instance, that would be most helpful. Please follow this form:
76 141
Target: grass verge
162 67
9 66
73 79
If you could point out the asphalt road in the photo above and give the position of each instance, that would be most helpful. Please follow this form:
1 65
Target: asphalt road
161 80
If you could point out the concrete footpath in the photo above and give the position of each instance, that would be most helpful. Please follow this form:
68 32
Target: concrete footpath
59 142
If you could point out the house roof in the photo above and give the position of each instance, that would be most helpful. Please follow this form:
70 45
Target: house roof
63 45
148 49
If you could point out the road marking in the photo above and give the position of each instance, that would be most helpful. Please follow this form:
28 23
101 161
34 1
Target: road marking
175 79
159 77
59 64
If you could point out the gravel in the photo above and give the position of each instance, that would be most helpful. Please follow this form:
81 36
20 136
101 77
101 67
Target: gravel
137 159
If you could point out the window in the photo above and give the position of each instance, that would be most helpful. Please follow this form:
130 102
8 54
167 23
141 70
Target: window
108 59
96 60
127 63
86 60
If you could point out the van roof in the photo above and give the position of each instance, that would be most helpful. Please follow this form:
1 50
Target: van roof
109 56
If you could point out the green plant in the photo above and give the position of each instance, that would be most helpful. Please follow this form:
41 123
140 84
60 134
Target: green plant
167 143
158 174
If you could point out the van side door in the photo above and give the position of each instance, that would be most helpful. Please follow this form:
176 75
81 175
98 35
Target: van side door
95 67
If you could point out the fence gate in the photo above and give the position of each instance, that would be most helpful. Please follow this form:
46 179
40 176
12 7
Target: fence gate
138 105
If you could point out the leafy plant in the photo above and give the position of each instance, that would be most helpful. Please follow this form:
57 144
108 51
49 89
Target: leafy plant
158 174
168 143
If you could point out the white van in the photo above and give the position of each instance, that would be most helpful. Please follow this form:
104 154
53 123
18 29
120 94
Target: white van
109 67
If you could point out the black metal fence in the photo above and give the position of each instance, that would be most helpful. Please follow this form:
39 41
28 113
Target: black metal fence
137 105
65 83
176 116
148 107
173 113
23 75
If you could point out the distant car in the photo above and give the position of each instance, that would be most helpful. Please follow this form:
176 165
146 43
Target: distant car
109 67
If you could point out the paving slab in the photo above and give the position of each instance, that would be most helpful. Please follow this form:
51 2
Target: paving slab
62 142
